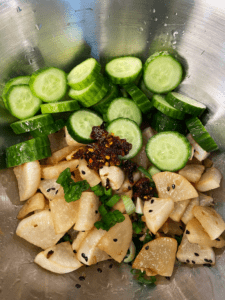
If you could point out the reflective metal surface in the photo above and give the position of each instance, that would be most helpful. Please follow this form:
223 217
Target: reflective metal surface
38 33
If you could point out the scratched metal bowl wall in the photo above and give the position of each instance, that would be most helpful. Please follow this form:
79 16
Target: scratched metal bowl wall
41 33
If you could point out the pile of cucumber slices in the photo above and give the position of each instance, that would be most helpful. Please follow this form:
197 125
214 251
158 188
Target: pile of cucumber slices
128 92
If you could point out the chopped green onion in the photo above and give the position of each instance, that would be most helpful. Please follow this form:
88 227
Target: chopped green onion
145 172
72 190
129 204
132 250
148 237
153 170
108 192
113 200
138 226
98 190
103 211
109 220
141 277
104 199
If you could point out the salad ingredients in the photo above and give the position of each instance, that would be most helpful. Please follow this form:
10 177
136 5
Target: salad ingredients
210 180
129 204
50 188
188 214
179 209
36 202
156 212
113 175
48 129
192 172
56 107
199 153
58 259
51 172
175 186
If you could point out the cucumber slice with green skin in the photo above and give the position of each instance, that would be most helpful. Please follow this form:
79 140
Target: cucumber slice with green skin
22 104
146 91
161 122
84 74
124 70
29 145
201 135
49 84
139 97
24 157
14 81
62 106
91 94
80 123
129 130
162 73
48 129
168 151
185 104
102 106
162 105
124 108
31 123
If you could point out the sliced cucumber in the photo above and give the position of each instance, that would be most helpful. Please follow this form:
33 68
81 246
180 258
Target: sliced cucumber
31 123
124 93
124 70
80 123
139 97
162 105
124 108
27 156
168 151
161 122
146 91
49 84
162 73
84 74
48 129
14 81
185 104
201 135
29 145
129 130
62 106
22 104
103 104
91 94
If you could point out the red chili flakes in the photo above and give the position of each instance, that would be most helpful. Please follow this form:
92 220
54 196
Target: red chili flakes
129 167
105 151
142 189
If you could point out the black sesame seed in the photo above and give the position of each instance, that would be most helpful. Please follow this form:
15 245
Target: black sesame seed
193 262
129 188
78 286
168 188
188 261
150 210
210 261
53 189
81 278
196 254
42 178
84 256
99 270
206 260
83 172
50 253
173 186
187 232
168 278
48 190
96 211
56 192
152 201
77 166
218 239
115 240
110 266
147 247
207 265
75 251
83 231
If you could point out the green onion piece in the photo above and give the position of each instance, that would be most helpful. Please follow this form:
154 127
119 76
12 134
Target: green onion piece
142 278
72 190
108 192
145 172
129 204
103 211
138 226
98 190
152 171
104 199
113 200
109 220
132 250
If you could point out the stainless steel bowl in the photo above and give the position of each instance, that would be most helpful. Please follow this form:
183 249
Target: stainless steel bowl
34 34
